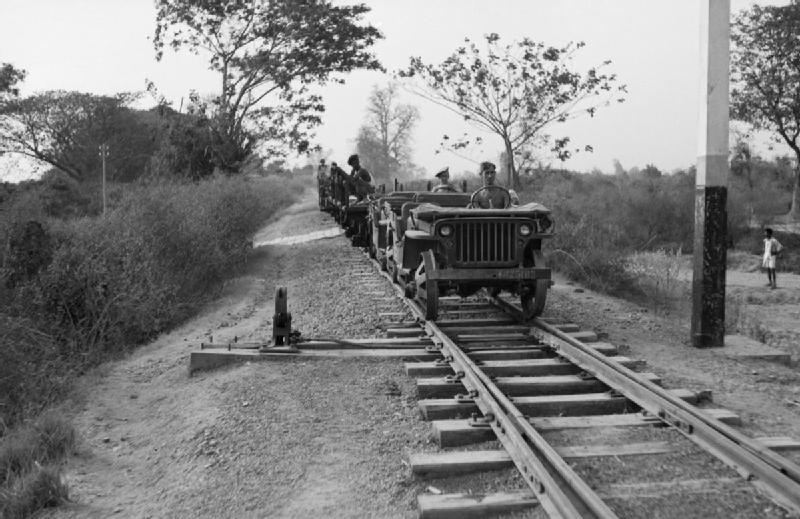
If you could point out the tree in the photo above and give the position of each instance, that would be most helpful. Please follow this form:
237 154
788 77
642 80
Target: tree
268 54
184 145
10 77
514 91
384 141
618 169
64 129
765 77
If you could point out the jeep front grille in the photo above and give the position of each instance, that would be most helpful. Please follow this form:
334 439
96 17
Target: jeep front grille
486 243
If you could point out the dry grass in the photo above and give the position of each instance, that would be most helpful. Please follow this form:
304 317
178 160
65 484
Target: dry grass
29 458
658 277
40 487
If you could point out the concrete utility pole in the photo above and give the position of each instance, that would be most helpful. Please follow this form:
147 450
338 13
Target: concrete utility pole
711 193
104 154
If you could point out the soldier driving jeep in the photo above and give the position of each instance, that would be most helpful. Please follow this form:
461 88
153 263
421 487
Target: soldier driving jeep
492 196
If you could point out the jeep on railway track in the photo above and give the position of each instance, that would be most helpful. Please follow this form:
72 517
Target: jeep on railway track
442 241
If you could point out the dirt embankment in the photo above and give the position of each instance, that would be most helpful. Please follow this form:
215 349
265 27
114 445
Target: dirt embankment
315 439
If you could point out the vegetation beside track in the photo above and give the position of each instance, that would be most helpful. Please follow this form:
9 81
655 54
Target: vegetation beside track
29 459
77 292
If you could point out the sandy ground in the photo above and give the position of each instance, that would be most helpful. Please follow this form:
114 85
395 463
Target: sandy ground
312 439
770 316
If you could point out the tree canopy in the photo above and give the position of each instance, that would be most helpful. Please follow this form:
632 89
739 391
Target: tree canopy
268 55
10 77
514 91
765 76
64 129
384 140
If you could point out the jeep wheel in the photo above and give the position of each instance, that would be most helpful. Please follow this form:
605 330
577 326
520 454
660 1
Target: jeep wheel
427 292
533 301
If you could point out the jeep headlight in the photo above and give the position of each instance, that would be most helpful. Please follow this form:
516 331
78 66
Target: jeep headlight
446 230
525 230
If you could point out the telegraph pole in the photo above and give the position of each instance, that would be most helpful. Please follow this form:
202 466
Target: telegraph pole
104 154
711 192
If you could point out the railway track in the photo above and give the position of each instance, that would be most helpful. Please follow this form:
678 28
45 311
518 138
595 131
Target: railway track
589 432
532 386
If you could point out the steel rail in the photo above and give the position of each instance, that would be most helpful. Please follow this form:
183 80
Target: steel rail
773 474
560 491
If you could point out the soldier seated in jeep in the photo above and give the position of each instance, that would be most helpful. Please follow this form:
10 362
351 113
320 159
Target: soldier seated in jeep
492 196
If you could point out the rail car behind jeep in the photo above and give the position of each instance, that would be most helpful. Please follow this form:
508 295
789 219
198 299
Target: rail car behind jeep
381 211
338 193
465 249
400 265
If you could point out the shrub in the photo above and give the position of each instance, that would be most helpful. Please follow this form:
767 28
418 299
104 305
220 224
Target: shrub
40 487
32 371
46 439
658 276
112 282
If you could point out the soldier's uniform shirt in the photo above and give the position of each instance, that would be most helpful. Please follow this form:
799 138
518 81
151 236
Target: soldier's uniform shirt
362 183
445 187
497 198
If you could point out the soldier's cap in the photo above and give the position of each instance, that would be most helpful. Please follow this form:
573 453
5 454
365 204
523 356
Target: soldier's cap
352 159
443 173
487 166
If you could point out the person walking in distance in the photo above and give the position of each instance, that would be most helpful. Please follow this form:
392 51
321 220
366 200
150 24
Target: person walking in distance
772 248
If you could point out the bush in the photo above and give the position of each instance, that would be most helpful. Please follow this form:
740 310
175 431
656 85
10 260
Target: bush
601 220
658 277
29 457
40 487
46 439
115 281
32 369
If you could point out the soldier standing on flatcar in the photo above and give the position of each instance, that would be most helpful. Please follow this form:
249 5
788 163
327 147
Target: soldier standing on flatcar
360 178
493 198
322 171
337 179
444 182
322 182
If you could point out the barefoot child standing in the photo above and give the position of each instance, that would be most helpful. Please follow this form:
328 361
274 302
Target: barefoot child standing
772 248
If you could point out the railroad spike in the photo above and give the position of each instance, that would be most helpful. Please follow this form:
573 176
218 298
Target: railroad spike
456 377
481 421
461 398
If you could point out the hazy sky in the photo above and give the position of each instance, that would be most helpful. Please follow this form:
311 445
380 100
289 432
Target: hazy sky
103 46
